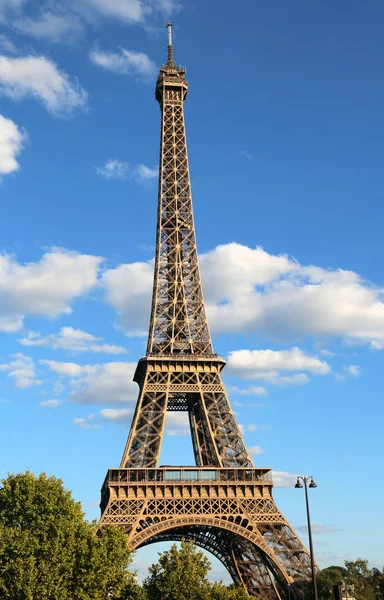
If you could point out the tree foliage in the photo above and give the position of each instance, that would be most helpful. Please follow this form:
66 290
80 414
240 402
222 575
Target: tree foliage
368 583
179 575
182 574
47 549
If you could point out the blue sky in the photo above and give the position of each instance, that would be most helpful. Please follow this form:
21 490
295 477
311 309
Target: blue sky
285 134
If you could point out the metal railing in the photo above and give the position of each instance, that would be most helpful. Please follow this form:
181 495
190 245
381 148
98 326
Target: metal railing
187 475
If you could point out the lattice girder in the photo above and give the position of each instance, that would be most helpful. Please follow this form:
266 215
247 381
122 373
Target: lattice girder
217 439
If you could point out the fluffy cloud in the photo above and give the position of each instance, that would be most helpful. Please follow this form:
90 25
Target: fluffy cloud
129 11
44 288
116 415
125 62
7 45
319 528
38 77
283 479
54 403
55 27
257 390
144 174
114 169
177 423
131 300
71 339
11 143
269 364
319 302
109 383
351 371
21 370
87 423
58 21
65 368
117 169
250 290
252 362
255 450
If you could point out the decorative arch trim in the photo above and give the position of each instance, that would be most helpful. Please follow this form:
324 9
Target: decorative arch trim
150 530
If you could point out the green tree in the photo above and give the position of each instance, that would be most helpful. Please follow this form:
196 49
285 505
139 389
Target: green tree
362 577
179 575
49 552
329 577
219 591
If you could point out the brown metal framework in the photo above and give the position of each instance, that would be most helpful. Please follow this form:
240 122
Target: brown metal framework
224 504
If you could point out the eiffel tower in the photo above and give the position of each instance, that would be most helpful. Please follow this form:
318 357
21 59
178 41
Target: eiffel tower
223 503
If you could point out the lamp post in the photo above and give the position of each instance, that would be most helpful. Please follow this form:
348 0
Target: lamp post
312 484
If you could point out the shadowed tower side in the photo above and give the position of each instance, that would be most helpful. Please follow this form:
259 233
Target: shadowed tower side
223 502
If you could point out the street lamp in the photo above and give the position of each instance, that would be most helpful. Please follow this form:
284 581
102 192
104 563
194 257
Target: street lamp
312 484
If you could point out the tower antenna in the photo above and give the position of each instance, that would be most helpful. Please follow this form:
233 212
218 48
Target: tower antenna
171 61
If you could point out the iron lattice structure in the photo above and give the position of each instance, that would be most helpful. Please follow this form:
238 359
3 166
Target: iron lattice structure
224 504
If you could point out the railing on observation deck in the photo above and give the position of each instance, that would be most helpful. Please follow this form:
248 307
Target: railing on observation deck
175 475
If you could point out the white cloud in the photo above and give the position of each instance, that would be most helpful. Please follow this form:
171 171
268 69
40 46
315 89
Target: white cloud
131 300
377 344
269 364
144 174
257 390
38 77
9 7
109 383
254 361
71 339
177 423
52 26
247 154
129 11
54 403
11 143
250 427
291 301
325 352
283 479
87 423
232 271
120 170
59 22
44 288
21 370
255 450
116 415
125 62
6 45
319 528
68 369
353 370
114 169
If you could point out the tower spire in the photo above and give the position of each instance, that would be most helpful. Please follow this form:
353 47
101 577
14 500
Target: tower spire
170 62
